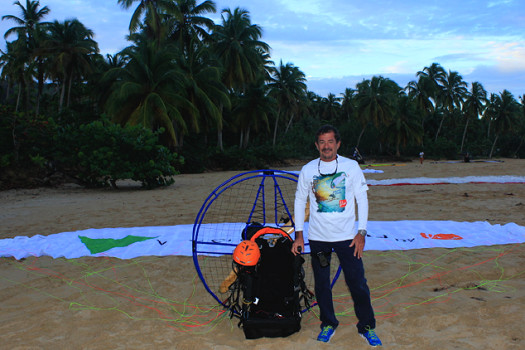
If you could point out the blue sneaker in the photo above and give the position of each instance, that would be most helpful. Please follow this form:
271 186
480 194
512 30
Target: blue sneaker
326 334
372 338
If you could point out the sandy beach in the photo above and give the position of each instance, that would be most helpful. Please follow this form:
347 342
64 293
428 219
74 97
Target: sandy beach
464 298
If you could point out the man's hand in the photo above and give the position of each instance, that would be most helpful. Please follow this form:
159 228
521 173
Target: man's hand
298 244
359 245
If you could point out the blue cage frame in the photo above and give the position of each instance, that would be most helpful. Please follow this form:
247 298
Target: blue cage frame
271 175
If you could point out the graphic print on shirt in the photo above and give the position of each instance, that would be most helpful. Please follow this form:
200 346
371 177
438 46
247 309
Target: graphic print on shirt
330 192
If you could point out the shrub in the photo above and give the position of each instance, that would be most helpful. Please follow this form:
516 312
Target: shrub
442 148
100 153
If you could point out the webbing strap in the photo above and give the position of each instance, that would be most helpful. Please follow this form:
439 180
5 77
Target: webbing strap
270 230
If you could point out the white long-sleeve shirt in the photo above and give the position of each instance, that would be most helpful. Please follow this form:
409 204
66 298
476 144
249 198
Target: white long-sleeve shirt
332 199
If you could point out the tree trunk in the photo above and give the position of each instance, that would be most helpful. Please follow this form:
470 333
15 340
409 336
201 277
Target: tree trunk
13 134
288 125
219 140
69 90
464 136
18 97
241 138
7 90
62 93
246 137
360 135
275 128
493 145
219 131
439 128
40 86
37 108
27 96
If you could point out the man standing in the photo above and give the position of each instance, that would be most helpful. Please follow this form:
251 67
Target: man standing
333 184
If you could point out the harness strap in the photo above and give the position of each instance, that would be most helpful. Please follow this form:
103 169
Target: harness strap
270 230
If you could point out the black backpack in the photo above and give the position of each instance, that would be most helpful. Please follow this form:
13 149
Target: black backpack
269 298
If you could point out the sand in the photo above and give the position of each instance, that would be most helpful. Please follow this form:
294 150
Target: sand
468 298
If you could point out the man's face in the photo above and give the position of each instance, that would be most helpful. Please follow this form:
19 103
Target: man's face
327 146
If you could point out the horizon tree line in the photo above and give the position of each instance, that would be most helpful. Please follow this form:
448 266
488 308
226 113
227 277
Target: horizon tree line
216 85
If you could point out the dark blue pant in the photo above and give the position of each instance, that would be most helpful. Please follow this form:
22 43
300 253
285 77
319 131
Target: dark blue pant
354 274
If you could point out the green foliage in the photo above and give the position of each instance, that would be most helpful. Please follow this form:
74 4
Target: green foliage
443 148
6 138
38 160
24 139
235 158
5 160
225 92
100 154
299 141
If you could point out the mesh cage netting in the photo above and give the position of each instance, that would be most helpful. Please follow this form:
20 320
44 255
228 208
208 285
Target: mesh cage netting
254 198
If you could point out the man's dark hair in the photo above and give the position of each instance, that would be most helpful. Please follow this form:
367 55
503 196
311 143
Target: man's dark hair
326 129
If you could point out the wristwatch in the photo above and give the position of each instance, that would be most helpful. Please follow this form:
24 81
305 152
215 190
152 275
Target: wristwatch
362 232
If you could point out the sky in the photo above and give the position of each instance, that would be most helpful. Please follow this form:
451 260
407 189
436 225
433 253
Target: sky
338 43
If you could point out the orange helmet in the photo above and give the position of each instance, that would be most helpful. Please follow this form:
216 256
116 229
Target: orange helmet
247 253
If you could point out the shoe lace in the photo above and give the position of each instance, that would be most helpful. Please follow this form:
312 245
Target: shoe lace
372 335
326 330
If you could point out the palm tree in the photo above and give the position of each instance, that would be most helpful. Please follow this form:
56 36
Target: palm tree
405 127
41 63
29 21
237 45
147 91
474 106
15 68
70 47
152 11
507 110
202 86
187 24
520 127
7 65
240 52
101 86
420 92
287 86
312 105
348 103
13 63
452 93
490 111
331 108
430 81
350 109
253 110
30 32
376 101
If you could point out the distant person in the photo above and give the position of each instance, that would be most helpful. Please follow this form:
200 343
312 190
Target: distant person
334 185
466 157
421 157
357 156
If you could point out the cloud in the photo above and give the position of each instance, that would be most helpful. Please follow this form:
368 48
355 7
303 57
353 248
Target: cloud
510 56
494 80
340 42
337 85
